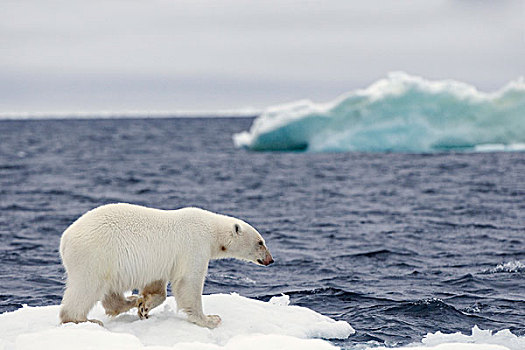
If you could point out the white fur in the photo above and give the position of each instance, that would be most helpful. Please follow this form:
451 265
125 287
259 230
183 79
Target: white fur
119 247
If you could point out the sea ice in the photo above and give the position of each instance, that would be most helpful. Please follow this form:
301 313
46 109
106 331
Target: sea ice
400 113
478 340
246 323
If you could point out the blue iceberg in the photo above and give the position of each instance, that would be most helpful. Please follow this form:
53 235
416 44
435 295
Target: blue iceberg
401 113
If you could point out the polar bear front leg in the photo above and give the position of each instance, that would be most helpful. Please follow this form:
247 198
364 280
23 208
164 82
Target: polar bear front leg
188 293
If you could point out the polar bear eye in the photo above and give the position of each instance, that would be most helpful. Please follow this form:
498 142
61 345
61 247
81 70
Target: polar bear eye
237 228
261 243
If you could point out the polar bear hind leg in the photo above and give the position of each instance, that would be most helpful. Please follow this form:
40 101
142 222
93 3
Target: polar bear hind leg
115 303
78 300
152 296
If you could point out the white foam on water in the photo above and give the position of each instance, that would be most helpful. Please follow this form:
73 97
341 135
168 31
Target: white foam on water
511 267
246 324
451 346
498 147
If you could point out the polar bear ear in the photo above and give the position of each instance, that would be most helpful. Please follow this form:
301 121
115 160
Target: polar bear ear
237 229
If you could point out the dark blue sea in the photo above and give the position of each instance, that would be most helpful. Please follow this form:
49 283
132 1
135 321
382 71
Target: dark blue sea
397 244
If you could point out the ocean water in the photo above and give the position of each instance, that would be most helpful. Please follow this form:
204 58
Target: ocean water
397 244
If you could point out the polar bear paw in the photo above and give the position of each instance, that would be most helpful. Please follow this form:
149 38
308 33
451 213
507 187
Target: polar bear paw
96 322
209 321
142 309
212 321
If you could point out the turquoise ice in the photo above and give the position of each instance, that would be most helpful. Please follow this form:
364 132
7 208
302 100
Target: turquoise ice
401 113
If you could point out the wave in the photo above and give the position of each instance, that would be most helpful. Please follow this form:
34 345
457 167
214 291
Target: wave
508 267
401 113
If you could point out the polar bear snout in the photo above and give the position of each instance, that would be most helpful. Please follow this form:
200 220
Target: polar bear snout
267 260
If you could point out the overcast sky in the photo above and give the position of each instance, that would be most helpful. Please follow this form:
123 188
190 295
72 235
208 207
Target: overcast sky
206 55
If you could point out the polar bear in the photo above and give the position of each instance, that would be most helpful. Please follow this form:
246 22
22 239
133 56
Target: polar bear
120 247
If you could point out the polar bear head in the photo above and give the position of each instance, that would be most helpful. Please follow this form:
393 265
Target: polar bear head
245 243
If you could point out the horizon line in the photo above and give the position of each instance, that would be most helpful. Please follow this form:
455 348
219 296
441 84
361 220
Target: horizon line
131 114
